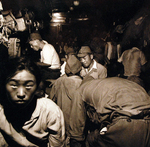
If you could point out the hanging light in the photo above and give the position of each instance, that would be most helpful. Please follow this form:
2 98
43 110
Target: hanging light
76 2
71 8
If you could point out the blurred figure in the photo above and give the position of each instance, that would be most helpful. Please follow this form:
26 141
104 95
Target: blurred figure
133 59
97 45
112 51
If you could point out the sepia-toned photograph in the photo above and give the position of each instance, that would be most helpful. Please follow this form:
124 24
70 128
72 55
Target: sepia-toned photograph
74 73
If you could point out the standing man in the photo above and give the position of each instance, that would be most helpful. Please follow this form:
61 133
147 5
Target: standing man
49 57
133 60
89 66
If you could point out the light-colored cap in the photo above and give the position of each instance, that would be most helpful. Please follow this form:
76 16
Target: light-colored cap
35 36
84 51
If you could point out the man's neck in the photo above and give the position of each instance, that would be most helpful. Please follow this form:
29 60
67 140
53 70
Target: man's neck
91 65
41 45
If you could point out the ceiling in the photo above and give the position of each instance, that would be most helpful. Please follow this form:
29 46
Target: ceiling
105 11
108 11
105 7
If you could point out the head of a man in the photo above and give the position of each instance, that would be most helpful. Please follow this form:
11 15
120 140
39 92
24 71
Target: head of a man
34 41
69 51
85 56
73 65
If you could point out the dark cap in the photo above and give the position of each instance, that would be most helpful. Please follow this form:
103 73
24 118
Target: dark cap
35 36
73 65
84 51
70 50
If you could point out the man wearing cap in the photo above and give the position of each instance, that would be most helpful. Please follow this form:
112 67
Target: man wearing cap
89 66
68 52
64 87
49 57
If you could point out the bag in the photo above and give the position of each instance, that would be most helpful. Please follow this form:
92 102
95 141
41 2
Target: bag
14 24
14 49
10 22
21 24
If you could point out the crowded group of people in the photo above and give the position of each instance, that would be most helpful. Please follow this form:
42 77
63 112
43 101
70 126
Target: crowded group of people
77 103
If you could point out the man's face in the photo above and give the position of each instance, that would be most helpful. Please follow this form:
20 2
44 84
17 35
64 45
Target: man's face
21 88
35 45
86 60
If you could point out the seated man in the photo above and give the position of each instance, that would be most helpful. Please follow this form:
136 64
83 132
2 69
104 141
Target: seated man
64 87
90 66
68 53
49 62
119 110
49 59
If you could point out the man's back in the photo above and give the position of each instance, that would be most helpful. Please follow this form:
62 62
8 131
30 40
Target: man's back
115 94
50 56
132 60
62 93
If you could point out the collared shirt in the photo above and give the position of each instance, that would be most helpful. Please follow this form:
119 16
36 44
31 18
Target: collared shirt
62 69
132 61
50 56
93 67
96 71
44 128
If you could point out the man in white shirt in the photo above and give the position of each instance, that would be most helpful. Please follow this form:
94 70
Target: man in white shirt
133 60
49 58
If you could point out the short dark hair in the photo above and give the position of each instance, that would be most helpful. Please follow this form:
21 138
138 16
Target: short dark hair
14 65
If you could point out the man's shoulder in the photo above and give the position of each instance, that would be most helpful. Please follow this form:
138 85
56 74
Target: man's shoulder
48 46
68 80
100 66
46 103
1 107
47 107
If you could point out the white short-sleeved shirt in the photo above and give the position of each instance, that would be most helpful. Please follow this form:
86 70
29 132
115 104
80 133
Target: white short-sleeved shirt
132 61
50 56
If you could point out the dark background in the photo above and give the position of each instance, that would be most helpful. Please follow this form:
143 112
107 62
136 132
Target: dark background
115 18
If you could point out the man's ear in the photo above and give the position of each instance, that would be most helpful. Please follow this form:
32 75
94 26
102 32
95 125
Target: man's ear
91 56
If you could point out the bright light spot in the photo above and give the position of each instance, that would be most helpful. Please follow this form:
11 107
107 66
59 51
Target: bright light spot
56 14
76 2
